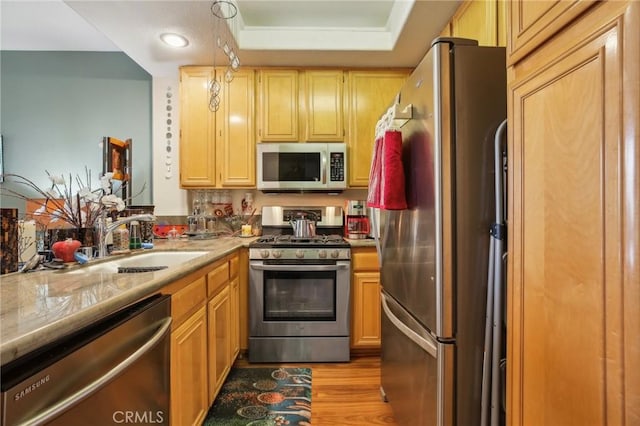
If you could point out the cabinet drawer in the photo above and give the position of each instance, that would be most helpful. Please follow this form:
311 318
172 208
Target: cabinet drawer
364 260
217 278
234 264
187 299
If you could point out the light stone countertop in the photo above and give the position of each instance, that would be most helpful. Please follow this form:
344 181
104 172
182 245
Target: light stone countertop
362 242
38 307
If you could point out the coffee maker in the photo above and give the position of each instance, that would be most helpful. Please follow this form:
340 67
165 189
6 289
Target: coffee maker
356 224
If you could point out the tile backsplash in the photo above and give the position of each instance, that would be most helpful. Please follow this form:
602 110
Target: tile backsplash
261 199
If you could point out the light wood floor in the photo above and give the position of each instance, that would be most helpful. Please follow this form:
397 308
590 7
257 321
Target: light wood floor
345 394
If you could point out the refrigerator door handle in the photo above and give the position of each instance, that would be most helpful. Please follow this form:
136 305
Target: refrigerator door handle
428 347
375 226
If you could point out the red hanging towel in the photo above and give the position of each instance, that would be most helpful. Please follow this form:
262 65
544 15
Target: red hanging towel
392 191
375 174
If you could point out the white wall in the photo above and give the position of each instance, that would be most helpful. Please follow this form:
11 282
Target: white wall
170 200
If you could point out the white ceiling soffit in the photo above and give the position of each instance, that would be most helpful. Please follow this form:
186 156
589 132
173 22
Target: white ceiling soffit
48 25
300 33
320 25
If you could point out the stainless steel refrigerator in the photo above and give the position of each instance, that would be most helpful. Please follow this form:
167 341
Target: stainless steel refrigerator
435 254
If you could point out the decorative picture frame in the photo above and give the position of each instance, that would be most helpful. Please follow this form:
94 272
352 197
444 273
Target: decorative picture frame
117 160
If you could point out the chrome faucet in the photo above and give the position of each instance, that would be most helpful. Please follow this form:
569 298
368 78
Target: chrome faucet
104 230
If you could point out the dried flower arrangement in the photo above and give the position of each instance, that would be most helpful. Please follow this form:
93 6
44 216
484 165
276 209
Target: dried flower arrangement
61 203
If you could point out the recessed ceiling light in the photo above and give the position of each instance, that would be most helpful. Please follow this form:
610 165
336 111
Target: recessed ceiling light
174 40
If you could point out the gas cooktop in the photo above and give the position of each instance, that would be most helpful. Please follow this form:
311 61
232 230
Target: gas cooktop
288 247
289 241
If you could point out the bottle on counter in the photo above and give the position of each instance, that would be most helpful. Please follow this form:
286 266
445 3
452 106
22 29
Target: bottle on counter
121 239
135 240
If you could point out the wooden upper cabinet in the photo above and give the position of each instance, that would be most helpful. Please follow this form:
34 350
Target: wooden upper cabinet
278 107
235 131
533 22
217 149
369 94
574 236
197 127
323 105
478 20
298 106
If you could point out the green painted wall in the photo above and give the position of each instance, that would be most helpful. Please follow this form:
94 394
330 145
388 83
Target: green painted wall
55 107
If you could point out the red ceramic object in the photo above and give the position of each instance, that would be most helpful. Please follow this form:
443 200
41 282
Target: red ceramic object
64 249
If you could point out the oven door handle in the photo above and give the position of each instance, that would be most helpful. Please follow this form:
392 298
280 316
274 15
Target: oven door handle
287 268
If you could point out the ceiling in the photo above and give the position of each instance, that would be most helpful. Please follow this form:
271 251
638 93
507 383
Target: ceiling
332 33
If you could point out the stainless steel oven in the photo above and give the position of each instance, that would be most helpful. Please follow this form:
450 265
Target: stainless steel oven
299 295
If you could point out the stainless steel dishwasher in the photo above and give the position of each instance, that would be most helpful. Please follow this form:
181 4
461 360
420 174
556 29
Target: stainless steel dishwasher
112 372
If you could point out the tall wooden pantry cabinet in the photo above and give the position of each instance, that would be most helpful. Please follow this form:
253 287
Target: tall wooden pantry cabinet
574 213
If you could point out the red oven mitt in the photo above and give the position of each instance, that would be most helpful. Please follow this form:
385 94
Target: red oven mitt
392 183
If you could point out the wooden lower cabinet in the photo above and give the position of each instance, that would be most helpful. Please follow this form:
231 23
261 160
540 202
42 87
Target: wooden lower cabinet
365 292
189 400
219 327
205 337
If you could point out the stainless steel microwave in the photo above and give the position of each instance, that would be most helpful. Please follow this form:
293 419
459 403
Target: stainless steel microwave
302 167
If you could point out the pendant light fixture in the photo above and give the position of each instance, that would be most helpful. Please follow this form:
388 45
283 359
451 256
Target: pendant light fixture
223 12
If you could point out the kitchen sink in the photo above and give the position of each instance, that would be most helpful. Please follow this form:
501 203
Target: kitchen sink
144 262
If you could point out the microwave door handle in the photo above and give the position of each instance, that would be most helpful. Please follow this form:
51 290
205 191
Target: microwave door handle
324 168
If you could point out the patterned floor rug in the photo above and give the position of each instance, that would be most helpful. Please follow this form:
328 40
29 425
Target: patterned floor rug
263 397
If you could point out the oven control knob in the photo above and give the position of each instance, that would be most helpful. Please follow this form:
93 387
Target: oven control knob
277 254
299 254
264 253
335 254
322 254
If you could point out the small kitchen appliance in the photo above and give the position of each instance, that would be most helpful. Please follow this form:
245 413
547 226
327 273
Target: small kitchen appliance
357 223
299 287
301 167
